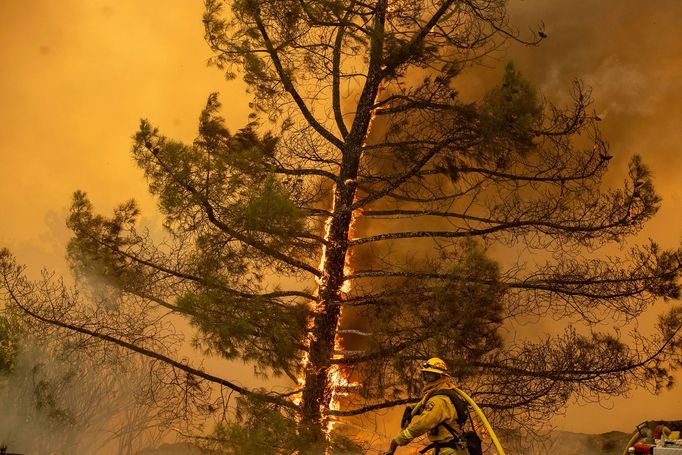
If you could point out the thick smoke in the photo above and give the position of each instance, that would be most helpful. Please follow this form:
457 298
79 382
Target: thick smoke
74 406
630 57
629 54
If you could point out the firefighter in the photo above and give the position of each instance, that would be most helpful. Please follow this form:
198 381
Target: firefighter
435 414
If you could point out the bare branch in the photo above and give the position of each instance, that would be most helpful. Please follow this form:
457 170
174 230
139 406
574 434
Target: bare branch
146 352
289 86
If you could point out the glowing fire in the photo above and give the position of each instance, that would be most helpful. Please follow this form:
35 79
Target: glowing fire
315 308
341 388
335 375
340 385
346 287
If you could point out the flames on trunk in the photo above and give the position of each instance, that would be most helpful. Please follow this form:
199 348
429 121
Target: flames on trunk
340 384
337 379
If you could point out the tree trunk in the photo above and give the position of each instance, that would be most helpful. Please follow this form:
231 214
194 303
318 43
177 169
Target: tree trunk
317 390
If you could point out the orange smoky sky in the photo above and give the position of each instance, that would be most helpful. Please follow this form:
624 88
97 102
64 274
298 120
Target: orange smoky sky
630 53
77 75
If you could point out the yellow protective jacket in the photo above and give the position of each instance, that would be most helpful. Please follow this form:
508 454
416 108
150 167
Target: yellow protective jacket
429 413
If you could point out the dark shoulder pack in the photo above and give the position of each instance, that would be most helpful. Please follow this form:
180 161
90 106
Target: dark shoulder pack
470 438
473 442
461 406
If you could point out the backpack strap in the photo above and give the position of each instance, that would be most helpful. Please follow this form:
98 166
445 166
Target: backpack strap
461 406
439 445
450 429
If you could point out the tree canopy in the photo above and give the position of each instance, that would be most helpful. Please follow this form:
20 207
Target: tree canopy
366 219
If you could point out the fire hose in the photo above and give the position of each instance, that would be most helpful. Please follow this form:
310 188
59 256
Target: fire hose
635 436
484 419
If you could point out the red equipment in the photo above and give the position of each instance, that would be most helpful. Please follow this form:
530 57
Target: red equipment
643 448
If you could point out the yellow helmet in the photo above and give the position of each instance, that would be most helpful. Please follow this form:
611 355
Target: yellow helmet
435 365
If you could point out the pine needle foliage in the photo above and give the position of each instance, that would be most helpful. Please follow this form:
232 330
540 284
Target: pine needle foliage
368 217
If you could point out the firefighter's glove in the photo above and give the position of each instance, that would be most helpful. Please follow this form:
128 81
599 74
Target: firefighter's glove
391 450
407 416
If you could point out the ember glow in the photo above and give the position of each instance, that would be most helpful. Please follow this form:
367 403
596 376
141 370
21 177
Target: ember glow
340 385
314 308
341 388
346 287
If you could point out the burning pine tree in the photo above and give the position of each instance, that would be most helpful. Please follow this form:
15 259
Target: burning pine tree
352 243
